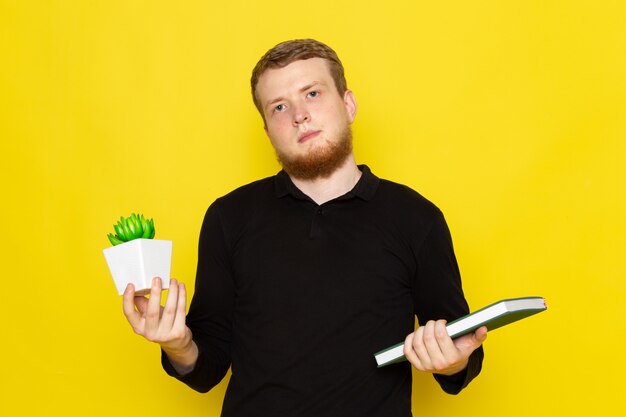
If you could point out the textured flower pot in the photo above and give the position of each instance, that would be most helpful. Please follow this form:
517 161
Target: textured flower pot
138 262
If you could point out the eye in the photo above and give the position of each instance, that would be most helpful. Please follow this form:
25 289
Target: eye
279 108
313 94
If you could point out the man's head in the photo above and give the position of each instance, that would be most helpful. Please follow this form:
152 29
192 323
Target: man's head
306 117
287 52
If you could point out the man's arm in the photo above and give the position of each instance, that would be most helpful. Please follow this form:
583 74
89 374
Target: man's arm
438 296
209 319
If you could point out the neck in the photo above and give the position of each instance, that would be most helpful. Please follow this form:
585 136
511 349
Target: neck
337 184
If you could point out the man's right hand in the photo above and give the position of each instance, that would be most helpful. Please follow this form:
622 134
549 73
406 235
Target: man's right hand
163 325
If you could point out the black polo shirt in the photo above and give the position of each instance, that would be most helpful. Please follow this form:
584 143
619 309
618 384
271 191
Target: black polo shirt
296 297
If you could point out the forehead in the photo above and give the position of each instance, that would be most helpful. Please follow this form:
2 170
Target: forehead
279 81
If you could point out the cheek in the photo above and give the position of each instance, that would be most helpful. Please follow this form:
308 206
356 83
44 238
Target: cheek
274 130
276 119
279 124
336 112
277 134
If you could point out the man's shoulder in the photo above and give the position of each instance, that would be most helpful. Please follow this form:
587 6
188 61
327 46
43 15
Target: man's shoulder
402 197
405 211
242 202
249 192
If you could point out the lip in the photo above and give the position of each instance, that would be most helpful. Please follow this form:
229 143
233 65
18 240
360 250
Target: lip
308 135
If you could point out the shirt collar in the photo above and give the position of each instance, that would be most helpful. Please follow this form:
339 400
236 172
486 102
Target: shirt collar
364 189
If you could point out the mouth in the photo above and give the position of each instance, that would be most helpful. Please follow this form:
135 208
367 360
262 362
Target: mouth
305 136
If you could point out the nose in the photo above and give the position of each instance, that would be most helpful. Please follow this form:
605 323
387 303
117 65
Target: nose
301 116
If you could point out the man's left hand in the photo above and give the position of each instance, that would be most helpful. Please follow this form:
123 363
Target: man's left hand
430 349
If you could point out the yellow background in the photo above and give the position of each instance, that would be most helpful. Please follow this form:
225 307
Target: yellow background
509 115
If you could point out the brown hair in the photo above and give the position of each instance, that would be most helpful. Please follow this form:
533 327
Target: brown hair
287 52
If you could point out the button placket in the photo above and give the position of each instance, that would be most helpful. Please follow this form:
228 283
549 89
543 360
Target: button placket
316 223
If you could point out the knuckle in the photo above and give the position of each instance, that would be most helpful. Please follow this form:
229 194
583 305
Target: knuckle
169 310
418 343
178 335
428 337
152 314
151 336
439 364
407 351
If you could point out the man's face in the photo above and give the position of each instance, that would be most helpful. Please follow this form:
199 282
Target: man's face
307 121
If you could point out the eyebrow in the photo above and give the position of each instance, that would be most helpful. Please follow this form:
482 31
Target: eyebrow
303 89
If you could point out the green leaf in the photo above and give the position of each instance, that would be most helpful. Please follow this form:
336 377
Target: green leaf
114 239
127 231
120 232
147 229
139 227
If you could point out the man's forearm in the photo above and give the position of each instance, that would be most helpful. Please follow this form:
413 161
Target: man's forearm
183 360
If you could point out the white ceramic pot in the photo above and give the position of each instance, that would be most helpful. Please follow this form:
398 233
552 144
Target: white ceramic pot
138 261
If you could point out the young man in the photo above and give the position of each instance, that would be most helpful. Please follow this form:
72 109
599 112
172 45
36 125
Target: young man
303 276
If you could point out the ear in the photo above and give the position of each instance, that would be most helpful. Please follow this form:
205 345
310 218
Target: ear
350 103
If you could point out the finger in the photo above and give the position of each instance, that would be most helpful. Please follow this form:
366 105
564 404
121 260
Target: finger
141 303
409 352
431 344
153 312
420 348
133 317
179 321
169 312
445 342
450 353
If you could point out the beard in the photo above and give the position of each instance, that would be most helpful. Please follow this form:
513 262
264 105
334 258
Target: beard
321 161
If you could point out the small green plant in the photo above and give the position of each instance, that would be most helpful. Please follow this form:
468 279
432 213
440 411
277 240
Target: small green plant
130 228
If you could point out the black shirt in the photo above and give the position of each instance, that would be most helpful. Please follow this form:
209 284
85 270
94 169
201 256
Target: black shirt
297 297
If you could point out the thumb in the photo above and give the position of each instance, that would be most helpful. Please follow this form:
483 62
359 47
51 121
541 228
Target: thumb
480 335
141 303
477 338
472 341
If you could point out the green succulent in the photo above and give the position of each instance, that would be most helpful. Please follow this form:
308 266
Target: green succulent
130 228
